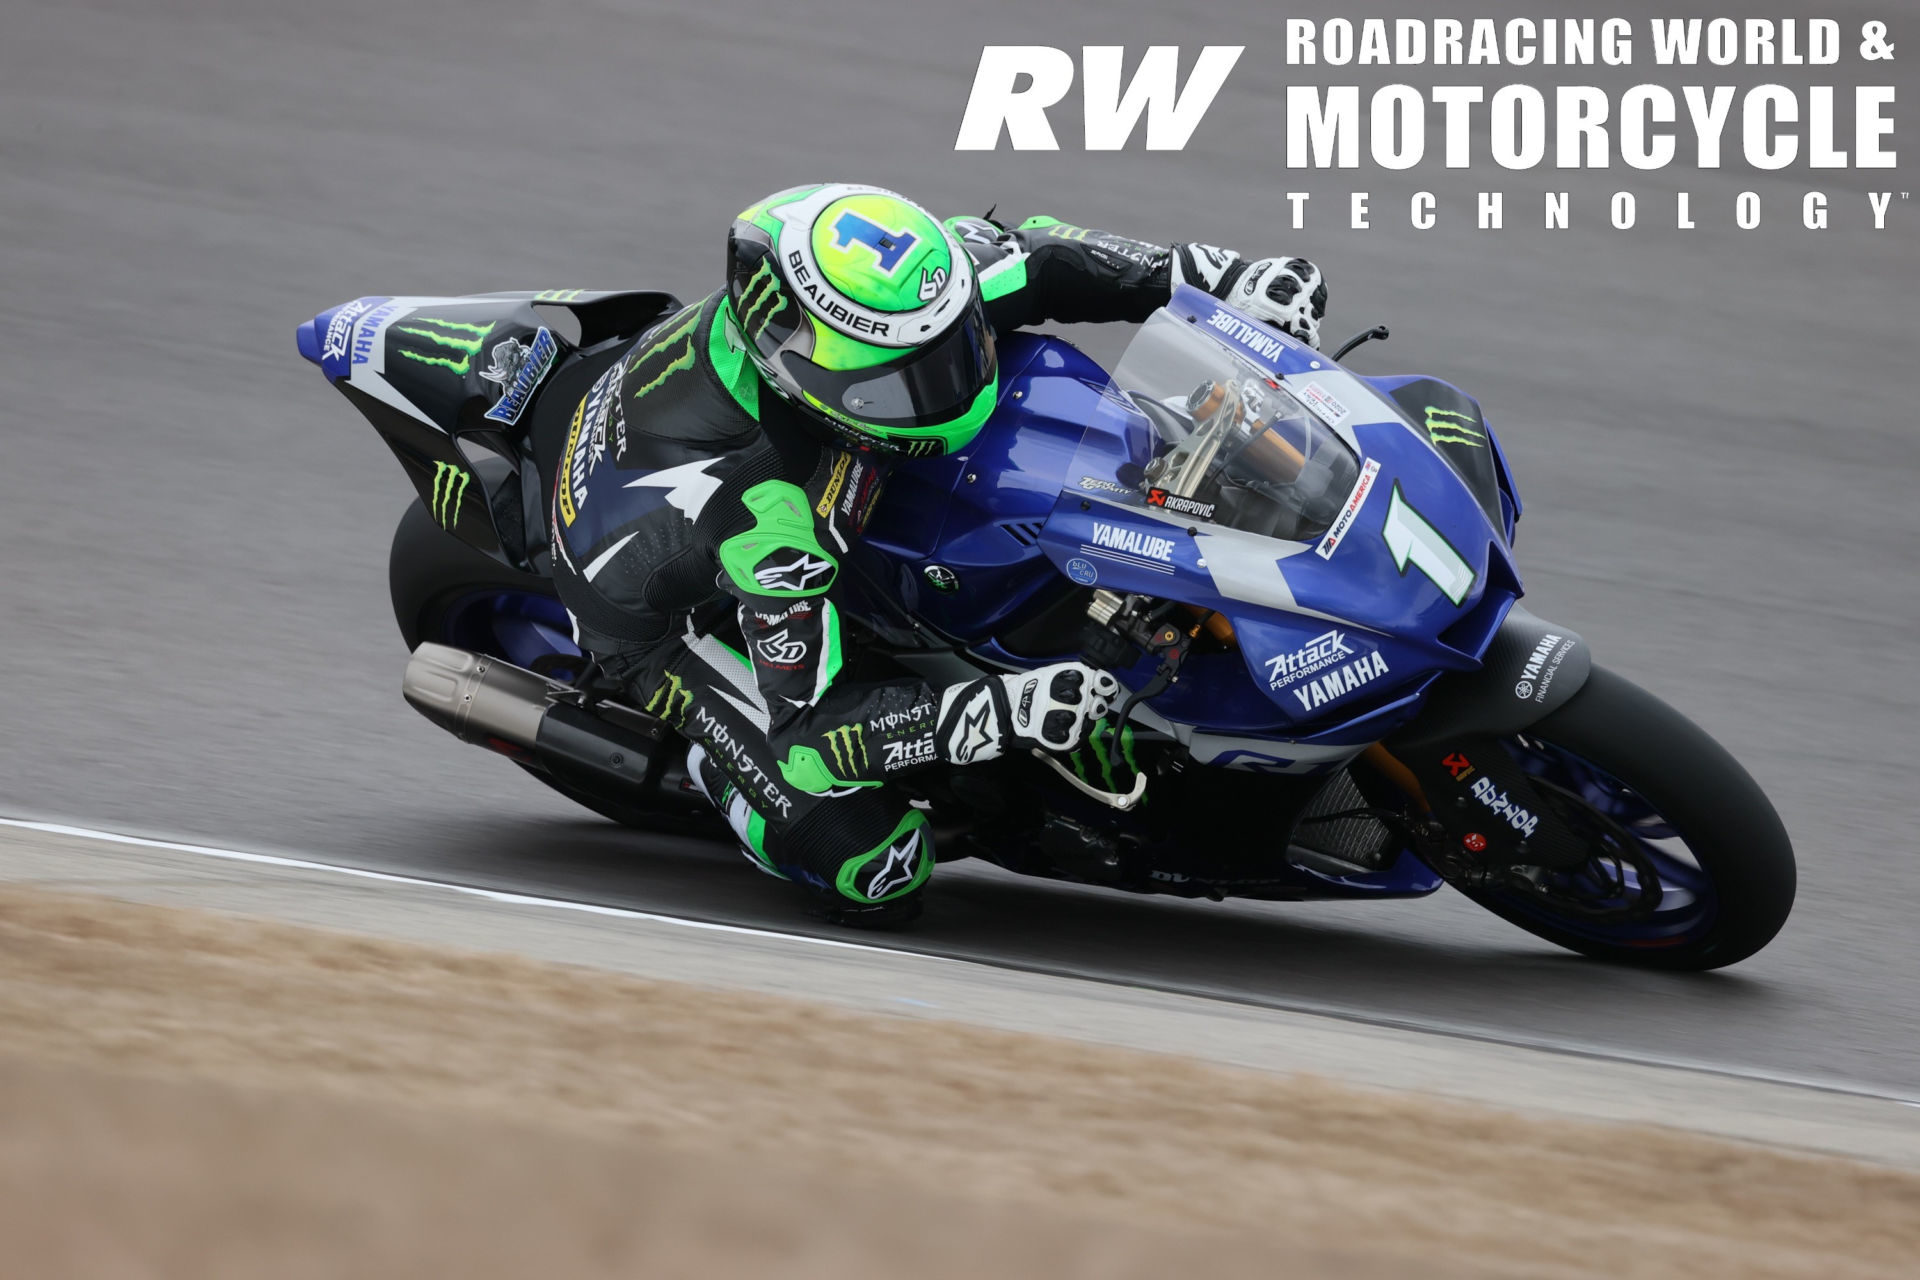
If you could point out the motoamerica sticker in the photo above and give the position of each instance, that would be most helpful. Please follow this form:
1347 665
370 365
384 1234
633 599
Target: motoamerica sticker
1349 511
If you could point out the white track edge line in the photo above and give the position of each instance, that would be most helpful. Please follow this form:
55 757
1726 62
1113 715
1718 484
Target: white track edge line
1308 1009
494 895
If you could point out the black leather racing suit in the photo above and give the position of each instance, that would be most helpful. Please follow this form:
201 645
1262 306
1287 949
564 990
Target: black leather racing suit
658 555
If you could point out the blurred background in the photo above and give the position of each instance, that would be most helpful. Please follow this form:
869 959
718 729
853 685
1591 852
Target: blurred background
1712 432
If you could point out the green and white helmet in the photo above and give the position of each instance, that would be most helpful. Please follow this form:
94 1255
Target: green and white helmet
860 308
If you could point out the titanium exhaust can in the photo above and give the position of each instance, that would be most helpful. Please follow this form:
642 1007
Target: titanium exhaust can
492 703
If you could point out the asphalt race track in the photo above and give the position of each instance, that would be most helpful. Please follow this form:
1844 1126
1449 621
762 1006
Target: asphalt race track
1712 431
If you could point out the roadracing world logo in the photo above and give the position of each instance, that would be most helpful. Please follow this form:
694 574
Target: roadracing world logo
1506 94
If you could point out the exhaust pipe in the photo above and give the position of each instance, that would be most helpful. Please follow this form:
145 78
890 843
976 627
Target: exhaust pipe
494 704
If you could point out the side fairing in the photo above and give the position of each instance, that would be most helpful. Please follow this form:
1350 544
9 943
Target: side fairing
957 539
1337 639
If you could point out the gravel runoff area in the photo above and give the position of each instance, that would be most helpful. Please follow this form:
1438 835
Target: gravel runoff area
189 1093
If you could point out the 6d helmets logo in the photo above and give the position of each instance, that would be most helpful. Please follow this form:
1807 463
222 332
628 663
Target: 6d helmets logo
781 649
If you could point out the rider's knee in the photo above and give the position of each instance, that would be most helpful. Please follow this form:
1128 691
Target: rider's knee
867 857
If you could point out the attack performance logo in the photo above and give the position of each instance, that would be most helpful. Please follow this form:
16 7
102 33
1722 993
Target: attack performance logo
339 337
449 487
1316 655
450 344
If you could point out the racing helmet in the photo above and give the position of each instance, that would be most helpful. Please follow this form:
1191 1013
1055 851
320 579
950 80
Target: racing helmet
857 306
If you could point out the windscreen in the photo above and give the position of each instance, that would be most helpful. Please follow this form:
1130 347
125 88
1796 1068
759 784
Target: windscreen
1230 445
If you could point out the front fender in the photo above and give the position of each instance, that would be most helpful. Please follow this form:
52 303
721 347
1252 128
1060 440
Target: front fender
1532 667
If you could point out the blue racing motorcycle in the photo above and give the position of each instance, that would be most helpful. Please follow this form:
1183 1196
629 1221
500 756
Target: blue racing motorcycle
1303 577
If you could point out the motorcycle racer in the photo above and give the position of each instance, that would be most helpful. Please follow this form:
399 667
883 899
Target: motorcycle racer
716 476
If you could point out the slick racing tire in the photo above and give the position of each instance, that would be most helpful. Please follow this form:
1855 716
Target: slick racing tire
448 592
1694 815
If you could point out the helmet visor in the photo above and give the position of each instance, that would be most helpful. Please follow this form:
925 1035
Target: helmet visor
924 387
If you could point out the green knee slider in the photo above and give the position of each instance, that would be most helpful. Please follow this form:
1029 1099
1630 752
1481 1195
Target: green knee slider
899 864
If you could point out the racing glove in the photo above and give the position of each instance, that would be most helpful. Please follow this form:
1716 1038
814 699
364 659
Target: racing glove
1288 293
1049 708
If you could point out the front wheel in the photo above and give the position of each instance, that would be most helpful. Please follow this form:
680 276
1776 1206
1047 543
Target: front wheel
1691 868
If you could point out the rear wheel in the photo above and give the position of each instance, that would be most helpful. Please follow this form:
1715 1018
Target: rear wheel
1690 866
447 592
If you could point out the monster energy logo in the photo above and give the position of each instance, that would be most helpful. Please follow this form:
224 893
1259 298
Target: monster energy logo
445 334
449 486
1459 431
845 741
760 300
677 342
558 295
671 700
1100 744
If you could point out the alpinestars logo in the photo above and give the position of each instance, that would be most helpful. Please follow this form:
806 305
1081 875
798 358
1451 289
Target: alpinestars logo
801 574
670 700
449 486
780 649
849 746
898 871
905 755
446 336
975 732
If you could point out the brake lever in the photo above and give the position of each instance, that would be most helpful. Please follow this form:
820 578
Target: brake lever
1121 800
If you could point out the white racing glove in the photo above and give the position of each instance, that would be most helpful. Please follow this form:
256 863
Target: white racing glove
1048 707
1288 293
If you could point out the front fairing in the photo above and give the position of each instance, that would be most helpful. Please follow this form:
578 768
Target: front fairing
1409 580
